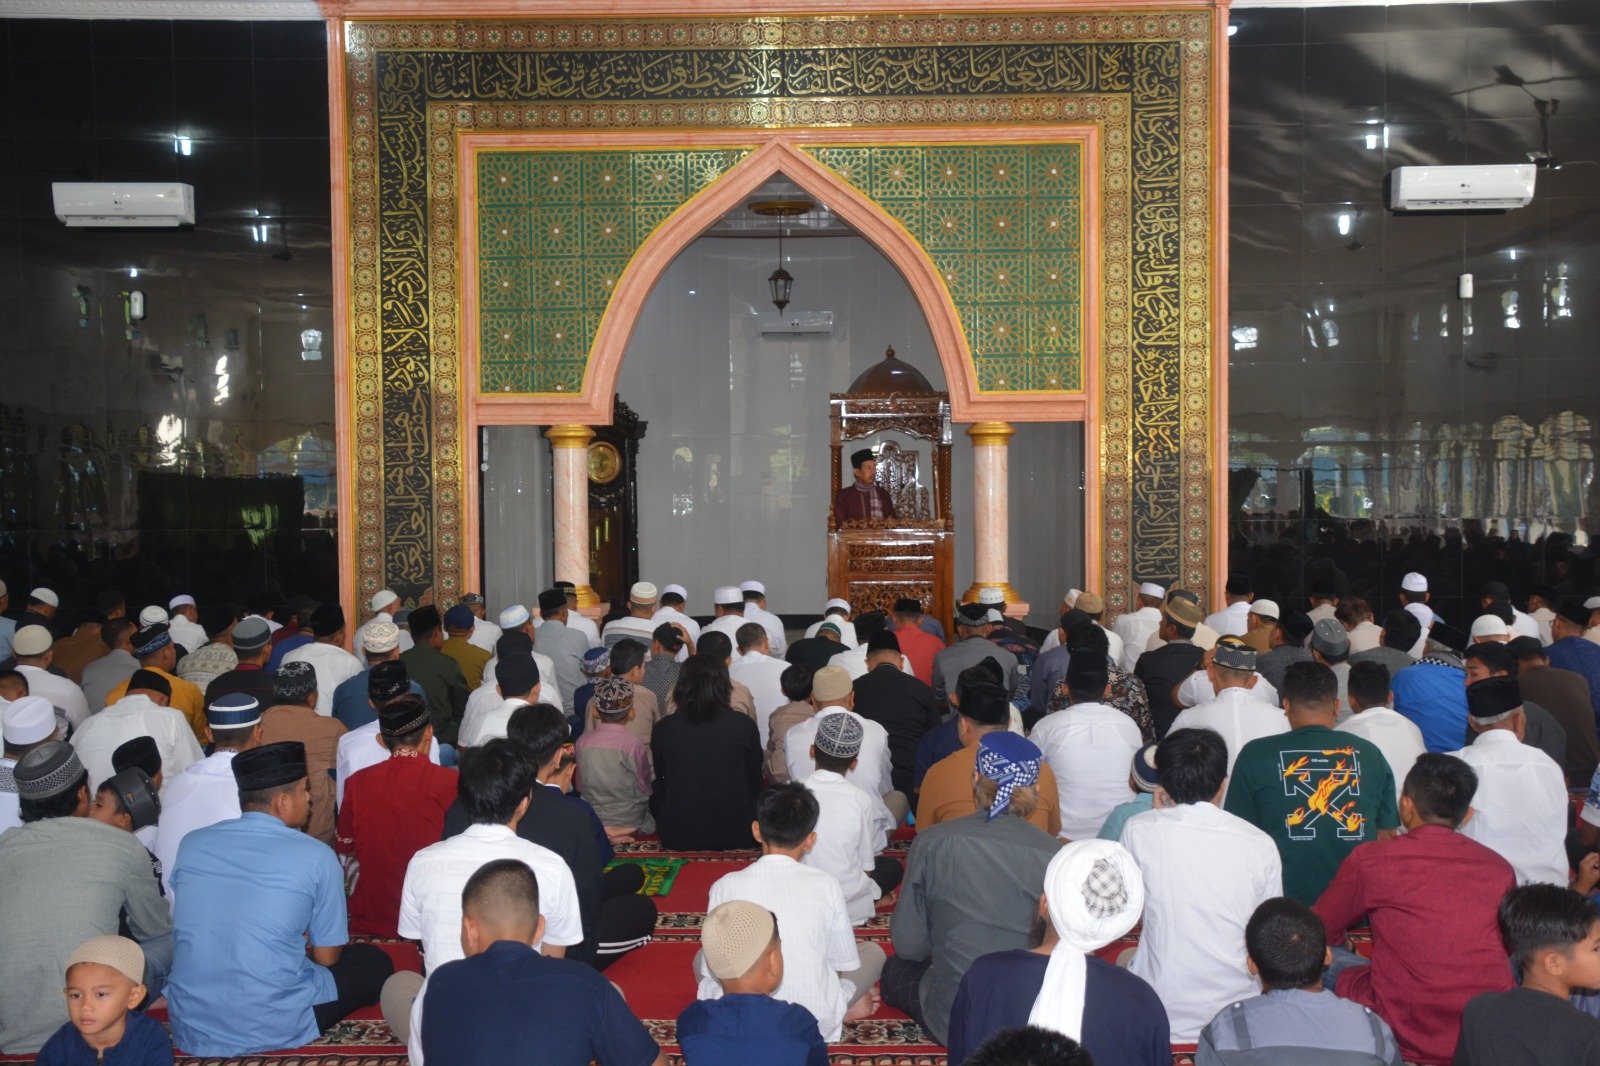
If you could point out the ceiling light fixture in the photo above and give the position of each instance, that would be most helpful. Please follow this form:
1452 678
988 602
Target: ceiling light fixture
781 281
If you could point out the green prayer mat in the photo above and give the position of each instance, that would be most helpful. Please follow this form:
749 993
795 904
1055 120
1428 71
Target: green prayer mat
659 873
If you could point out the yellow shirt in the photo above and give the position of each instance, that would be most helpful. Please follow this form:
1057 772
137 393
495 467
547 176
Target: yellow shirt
471 658
186 697
947 793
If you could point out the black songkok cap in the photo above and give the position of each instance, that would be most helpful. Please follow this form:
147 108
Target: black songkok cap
552 600
516 675
402 715
423 620
1526 647
1086 672
150 681
327 620
1575 612
906 605
270 765
883 640
387 680
859 457
513 642
138 794
1493 697
151 639
140 752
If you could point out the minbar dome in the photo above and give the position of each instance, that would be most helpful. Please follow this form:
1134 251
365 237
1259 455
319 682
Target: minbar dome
890 377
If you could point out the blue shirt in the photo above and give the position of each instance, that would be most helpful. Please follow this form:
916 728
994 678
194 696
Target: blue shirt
1435 698
509 1005
1123 1019
248 890
285 646
943 739
1581 656
742 1028
144 1043
1112 829
1048 670
350 704
8 630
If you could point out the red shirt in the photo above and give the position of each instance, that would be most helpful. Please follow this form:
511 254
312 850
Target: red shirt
1432 896
920 646
390 812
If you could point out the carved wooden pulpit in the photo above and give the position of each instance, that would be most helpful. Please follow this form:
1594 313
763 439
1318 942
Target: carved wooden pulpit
873 562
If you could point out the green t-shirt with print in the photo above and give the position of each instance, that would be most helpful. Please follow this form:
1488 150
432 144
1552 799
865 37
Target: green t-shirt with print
1317 792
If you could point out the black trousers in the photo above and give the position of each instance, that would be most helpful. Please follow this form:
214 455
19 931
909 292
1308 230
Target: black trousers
886 873
627 919
358 978
900 985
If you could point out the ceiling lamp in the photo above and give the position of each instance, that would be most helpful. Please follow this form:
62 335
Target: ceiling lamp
781 281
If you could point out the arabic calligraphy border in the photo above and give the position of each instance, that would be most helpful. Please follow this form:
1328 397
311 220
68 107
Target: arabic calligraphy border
406 381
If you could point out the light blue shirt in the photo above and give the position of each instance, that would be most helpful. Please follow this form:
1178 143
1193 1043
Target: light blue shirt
1120 814
8 629
350 704
247 891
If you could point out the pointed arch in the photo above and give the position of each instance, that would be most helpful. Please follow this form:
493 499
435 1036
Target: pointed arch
779 156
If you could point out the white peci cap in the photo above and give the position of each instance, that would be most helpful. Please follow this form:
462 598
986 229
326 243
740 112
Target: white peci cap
991 597
675 590
381 599
1150 588
1488 625
1414 582
27 721
44 595
753 586
1592 603
184 600
153 615
513 616
643 592
1265 608
1423 614
727 595
843 605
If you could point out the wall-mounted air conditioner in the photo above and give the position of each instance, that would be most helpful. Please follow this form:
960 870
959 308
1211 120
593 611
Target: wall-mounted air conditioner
126 204
796 324
1467 188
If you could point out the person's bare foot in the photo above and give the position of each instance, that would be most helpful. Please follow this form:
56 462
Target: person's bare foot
865 1007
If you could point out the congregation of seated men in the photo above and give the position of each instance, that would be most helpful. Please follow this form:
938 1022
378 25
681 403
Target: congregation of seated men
1335 827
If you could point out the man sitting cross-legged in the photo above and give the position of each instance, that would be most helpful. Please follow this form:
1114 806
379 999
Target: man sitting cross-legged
824 969
1433 897
505 1003
263 959
1092 895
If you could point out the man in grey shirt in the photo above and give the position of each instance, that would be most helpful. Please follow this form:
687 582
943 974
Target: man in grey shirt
565 646
972 646
972 885
109 671
66 878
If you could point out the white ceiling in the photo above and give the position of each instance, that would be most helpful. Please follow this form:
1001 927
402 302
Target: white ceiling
308 9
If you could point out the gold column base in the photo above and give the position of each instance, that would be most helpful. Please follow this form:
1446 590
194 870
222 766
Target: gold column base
586 597
1011 594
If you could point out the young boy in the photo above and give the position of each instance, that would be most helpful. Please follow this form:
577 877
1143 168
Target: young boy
743 951
1288 949
129 801
824 970
852 827
1142 779
1553 935
613 771
105 981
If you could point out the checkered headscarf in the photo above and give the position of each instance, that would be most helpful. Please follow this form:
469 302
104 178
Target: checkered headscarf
1012 762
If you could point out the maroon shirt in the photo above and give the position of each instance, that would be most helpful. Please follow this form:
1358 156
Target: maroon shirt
391 811
1432 896
854 502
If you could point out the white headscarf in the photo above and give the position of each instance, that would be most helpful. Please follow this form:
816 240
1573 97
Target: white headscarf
1095 894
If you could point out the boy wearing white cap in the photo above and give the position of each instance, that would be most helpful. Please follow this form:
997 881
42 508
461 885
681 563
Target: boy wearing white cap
1137 627
382 605
104 983
755 610
837 611
25 724
184 623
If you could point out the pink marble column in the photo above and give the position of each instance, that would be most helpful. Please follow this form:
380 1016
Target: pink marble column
569 447
991 515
